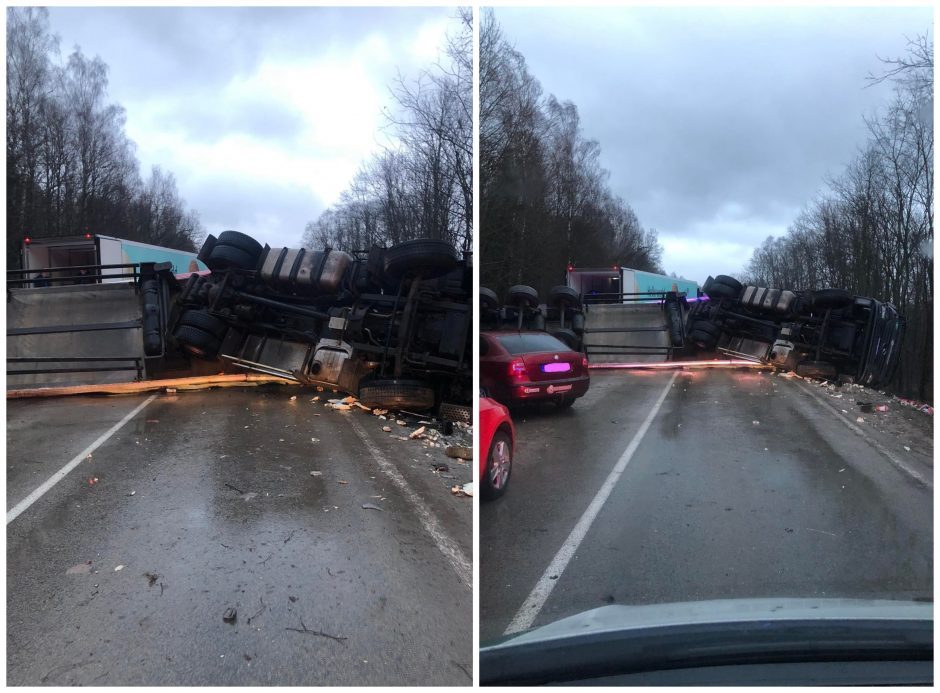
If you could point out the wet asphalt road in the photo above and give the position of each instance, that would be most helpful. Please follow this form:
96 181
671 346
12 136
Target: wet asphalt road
225 514
711 505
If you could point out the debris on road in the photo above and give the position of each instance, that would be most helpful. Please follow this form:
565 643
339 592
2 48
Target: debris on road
380 412
132 493
303 629
293 398
881 407
387 429
465 490
859 420
230 615
756 423
316 473
80 569
370 506
461 452
417 433
120 567
440 467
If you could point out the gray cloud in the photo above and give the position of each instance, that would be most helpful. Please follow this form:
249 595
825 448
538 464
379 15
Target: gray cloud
716 121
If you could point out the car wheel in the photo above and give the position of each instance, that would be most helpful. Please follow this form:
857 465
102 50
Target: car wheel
197 342
831 298
567 337
817 369
525 295
396 394
246 244
498 466
488 299
433 257
228 257
564 295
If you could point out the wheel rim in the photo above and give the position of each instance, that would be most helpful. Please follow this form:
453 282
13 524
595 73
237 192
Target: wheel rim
499 465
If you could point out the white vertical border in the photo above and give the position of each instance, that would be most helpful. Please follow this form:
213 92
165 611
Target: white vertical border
476 344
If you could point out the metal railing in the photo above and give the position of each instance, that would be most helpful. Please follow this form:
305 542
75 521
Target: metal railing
53 275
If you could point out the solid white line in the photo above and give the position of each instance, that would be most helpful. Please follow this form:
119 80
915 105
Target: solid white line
533 604
59 475
429 521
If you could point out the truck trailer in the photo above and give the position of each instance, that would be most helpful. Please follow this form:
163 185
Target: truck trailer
624 285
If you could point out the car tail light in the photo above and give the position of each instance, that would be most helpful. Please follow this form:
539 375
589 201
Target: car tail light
584 362
517 369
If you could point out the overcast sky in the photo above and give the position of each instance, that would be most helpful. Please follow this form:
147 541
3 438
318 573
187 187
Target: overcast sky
263 114
717 125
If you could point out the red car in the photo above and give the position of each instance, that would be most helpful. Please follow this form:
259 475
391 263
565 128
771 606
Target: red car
497 437
528 366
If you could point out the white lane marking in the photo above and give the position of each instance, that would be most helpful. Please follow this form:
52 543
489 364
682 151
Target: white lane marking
533 604
77 460
429 521
896 461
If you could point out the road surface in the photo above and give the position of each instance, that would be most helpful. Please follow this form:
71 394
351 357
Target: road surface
743 484
205 502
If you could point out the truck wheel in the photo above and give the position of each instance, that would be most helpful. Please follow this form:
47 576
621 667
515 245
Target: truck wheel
434 257
488 299
577 323
227 257
704 334
498 466
245 243
205 322
568 337
718 291
730 282
564 295
196 342
816 369
525 295
831 298
396 394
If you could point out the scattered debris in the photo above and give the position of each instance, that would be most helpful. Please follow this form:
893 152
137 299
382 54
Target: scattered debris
314 440
756 423
387 429
461 452
132 493
859 420
171 390
380 412
401 423
248 496
303 629
316 473
230 615
260 611
340 481
465 490
370 506
907 448
237 490
316 399
120 567
441 467
417 433
881 407
80 569
842 470
151 579
293 398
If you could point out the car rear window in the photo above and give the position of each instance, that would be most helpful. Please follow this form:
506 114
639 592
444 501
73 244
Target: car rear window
527 343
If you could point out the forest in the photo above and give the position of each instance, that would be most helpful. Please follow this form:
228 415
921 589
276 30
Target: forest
420 185
71 169
871 229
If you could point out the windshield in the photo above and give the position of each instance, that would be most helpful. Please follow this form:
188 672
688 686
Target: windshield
747 433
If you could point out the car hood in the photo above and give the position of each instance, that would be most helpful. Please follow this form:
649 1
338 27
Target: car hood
717 611
657 637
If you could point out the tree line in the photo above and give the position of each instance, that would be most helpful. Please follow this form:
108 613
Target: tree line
422 185
544 197
871 230
71 169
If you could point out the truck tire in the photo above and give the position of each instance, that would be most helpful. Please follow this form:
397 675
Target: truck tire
730 282
718 291
704 334
205 322
577 323
567 337
488 299
396 394
197 342
831 298
228 257
434 257
522 294
817 369
564 295
246 244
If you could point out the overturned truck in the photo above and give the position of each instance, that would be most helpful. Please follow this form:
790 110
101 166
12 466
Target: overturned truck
390 325
827 333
